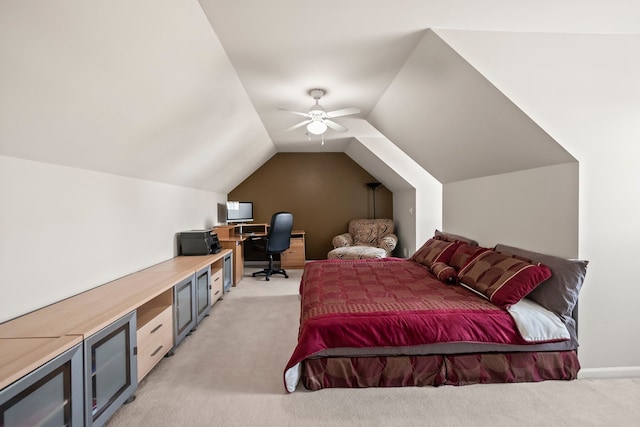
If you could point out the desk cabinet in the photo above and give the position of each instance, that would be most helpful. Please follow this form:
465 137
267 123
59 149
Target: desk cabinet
155 331
294 257
236 245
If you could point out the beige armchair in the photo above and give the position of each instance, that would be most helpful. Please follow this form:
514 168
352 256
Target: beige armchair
367 238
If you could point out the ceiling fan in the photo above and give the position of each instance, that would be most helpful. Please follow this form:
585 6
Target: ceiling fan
318 120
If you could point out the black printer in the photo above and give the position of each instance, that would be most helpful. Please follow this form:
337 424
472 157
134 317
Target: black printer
199 242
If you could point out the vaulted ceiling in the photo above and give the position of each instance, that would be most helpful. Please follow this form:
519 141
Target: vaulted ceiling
190 93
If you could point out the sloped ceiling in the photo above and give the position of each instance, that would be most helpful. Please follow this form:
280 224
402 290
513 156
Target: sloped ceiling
455 123
578 87
141 89
189 92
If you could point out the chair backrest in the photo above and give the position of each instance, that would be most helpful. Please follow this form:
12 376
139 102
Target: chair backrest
368 232
279 235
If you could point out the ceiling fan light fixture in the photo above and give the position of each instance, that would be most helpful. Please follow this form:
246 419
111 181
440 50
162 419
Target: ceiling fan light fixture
318 120
317 127
316 110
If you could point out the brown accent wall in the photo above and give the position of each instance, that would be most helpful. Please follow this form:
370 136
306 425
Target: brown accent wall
322 190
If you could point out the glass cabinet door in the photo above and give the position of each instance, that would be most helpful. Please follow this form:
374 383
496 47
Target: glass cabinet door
203 292
184 297
228 272
111 369
49 396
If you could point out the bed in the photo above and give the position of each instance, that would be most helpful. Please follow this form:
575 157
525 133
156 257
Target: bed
453 314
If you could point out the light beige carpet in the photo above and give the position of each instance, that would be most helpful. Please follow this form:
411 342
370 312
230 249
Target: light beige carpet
229 371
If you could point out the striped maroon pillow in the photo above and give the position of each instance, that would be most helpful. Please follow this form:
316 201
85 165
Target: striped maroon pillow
433 251
503 279
463 254
443 272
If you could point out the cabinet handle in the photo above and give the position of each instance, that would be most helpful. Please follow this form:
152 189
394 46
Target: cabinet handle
157 350
156 328
216 279
217 292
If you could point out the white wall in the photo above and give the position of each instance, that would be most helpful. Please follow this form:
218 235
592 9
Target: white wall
65 230
583 89
535 209
405 222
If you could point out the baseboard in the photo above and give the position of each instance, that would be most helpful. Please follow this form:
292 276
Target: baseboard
621 372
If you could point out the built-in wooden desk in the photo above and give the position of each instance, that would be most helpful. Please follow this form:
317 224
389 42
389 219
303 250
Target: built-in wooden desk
85 314
234 236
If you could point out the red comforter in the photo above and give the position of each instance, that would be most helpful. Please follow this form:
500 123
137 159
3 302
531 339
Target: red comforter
390 302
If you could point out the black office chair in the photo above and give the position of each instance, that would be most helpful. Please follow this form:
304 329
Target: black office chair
277 241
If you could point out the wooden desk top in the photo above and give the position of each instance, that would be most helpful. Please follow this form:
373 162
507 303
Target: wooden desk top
245 236
87 313
187 263
19 356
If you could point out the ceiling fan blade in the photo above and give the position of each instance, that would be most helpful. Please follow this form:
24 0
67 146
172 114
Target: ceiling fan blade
343 112
298 125
295 112
335 126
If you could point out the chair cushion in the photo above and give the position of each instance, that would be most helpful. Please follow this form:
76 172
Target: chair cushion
357 252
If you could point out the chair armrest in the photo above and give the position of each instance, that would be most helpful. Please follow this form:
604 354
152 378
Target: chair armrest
388 243
345 239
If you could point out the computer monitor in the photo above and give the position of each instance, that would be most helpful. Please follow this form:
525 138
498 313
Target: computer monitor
239 212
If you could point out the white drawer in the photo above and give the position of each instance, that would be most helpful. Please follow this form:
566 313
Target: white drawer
155 339
217 285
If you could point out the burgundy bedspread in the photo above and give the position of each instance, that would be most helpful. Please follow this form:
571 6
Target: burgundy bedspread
390 302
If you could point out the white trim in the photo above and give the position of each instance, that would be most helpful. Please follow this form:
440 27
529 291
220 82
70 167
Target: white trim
621 372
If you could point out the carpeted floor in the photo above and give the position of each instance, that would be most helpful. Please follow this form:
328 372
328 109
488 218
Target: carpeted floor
229 371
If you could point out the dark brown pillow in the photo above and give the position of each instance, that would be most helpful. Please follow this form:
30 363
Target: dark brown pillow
560 293
454 238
